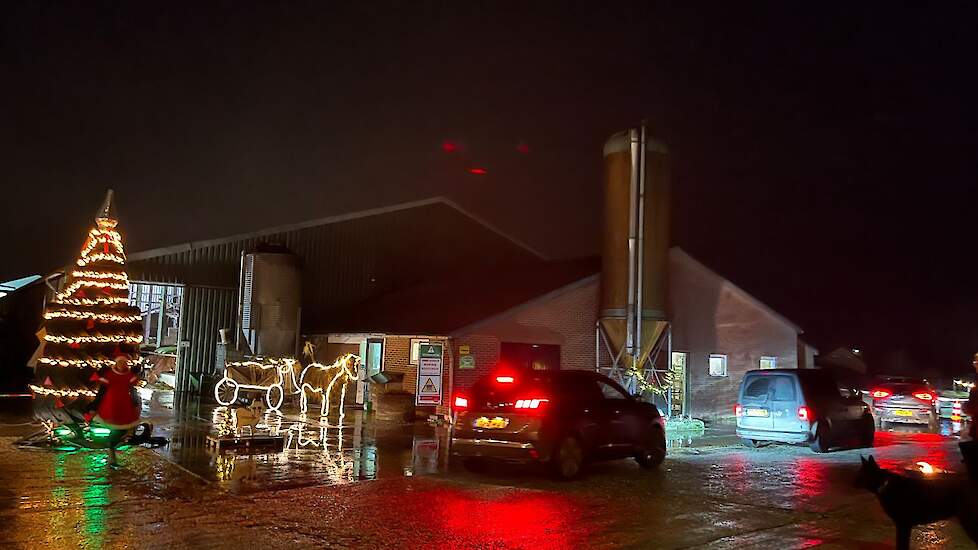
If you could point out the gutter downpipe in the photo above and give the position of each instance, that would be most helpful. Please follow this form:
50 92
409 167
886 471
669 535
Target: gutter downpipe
641 246
238 321
632 230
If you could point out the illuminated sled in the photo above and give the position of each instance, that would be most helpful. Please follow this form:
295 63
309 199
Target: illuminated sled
269 376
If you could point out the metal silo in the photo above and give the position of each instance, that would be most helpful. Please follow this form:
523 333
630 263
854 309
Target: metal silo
271 289
632 320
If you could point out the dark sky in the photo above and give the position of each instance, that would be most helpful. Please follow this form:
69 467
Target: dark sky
825 157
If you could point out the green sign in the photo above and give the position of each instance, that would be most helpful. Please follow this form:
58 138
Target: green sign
430 350
466 362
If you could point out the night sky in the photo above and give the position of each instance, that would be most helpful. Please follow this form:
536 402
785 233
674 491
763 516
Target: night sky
825 158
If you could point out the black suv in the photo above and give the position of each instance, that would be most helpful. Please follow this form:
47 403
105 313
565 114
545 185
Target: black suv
562 418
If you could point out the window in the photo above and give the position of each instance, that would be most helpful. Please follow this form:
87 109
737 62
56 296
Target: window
784 388
718 364
768 362
611 392
758 388
415 346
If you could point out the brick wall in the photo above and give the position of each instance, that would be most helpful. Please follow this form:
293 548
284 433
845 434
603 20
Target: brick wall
565 318
710 315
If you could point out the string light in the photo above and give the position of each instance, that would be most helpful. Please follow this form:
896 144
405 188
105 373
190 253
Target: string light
346 368
73 287
101 256
101 275
94 363
103 317
115 339
100 301
61 393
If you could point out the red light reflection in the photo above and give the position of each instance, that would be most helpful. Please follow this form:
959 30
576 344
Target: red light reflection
478 171
523 149
932 450
449 146
514 521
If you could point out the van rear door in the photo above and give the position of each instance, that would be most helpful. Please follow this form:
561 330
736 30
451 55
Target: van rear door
755 402
783 403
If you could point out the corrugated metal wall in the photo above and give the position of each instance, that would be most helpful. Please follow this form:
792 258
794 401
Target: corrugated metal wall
205 310
346 262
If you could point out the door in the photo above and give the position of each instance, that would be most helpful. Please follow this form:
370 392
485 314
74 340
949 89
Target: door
754 400
620 413
784 404
677 384
530 356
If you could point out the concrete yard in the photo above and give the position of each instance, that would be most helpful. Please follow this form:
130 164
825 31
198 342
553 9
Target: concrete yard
392 487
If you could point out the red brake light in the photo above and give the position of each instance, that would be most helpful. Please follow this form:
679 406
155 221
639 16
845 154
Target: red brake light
505 379
461 402
804 414
880 394
530 403
738 410
924 396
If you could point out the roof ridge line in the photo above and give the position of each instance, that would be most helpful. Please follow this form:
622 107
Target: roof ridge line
438 199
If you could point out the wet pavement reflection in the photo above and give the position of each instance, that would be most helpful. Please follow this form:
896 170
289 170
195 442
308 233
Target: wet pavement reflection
316 451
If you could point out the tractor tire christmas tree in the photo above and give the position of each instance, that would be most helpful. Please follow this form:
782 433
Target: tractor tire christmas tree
87 324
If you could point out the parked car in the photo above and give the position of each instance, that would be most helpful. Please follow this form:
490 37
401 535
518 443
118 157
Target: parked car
905 401
800 406
562 418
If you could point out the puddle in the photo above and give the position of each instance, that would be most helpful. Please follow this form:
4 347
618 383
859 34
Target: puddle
316 451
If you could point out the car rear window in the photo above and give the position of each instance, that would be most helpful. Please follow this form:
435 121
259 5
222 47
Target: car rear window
757 387
489 391
784 388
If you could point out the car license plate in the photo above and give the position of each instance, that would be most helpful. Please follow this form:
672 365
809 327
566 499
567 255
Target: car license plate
902 412
756 412
496 423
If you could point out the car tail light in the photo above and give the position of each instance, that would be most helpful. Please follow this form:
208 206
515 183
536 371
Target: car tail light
804 414
924 396
505 379
530 403
738 410
880 394
461 402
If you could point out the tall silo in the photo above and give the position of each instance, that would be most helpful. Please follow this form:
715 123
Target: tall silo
632 317
271 289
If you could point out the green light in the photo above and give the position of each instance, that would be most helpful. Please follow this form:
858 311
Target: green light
63 432
100 432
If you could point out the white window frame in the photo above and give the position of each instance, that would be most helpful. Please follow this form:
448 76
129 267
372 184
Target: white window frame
772 358
415 351
723 358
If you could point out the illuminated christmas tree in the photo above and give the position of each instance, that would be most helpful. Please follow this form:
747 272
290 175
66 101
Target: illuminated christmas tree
86 326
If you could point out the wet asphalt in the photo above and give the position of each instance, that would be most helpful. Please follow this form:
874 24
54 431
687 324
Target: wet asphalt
388 484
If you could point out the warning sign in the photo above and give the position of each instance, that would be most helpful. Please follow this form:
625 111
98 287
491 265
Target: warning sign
429 374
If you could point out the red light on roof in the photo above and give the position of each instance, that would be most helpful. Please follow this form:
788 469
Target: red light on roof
523 149
505 379
449 146
478 171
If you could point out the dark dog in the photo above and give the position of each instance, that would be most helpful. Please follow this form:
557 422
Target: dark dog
917 501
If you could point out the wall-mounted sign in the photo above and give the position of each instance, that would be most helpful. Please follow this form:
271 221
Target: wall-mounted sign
429 374
464 350
466 362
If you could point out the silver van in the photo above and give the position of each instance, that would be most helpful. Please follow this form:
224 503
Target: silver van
800 406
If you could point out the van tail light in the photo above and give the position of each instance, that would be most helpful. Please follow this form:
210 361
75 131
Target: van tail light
530 403
461 402
924 396
804 414
738 410
880 394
